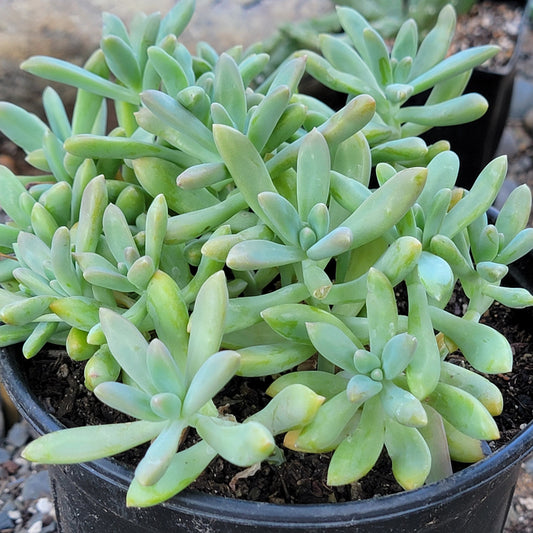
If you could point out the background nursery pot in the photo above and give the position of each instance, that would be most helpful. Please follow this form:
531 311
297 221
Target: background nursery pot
91 496
496 85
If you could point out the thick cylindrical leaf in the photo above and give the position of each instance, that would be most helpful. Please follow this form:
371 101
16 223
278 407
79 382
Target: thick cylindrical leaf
321 433
190 225
357 454
464 448
206 324
241 444
517 248
514 214
23 128
394 198
451 66
437 277
64 72
332 343
21 312
402 406
164 372
160 454
268 359
361 388
333 244
465 108
486 349
202 175
289 320
126 399
312 173
294 407
245 310
283 217
423 370
62 263
218 248
257 254
78 311
478 200
475 384
382 310
514 297
245 165
41 334
409 453
266 116
77 346
93 203
323 383
464 412
434 47
183 469
336 129
128 346
214 373
397 353
75 445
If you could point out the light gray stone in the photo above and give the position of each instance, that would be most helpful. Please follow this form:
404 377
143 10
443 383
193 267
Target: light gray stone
18 434
50 528
36 486
5 521
2 422
528 464
72 30
4 455
522 100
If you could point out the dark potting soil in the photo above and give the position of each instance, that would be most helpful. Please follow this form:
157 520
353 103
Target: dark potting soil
58 381
490 22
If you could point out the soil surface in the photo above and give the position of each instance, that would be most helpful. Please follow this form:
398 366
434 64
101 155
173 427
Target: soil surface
490 22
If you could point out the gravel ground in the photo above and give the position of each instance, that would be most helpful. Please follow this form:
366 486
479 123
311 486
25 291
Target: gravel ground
25 499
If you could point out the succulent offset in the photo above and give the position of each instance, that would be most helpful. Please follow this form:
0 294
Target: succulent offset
227 226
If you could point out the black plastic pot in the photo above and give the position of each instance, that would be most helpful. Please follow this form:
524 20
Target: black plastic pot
476 142
91 497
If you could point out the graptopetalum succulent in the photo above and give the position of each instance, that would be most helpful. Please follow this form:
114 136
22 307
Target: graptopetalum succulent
226 226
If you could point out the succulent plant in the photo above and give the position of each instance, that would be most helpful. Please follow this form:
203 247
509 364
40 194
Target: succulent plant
226 227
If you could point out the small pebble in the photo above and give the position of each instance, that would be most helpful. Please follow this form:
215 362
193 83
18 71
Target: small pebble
528 121
36 486
9 506
36 527
4 455
527 503
44 506
5 521
18 434
14 515
528 464
2 422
